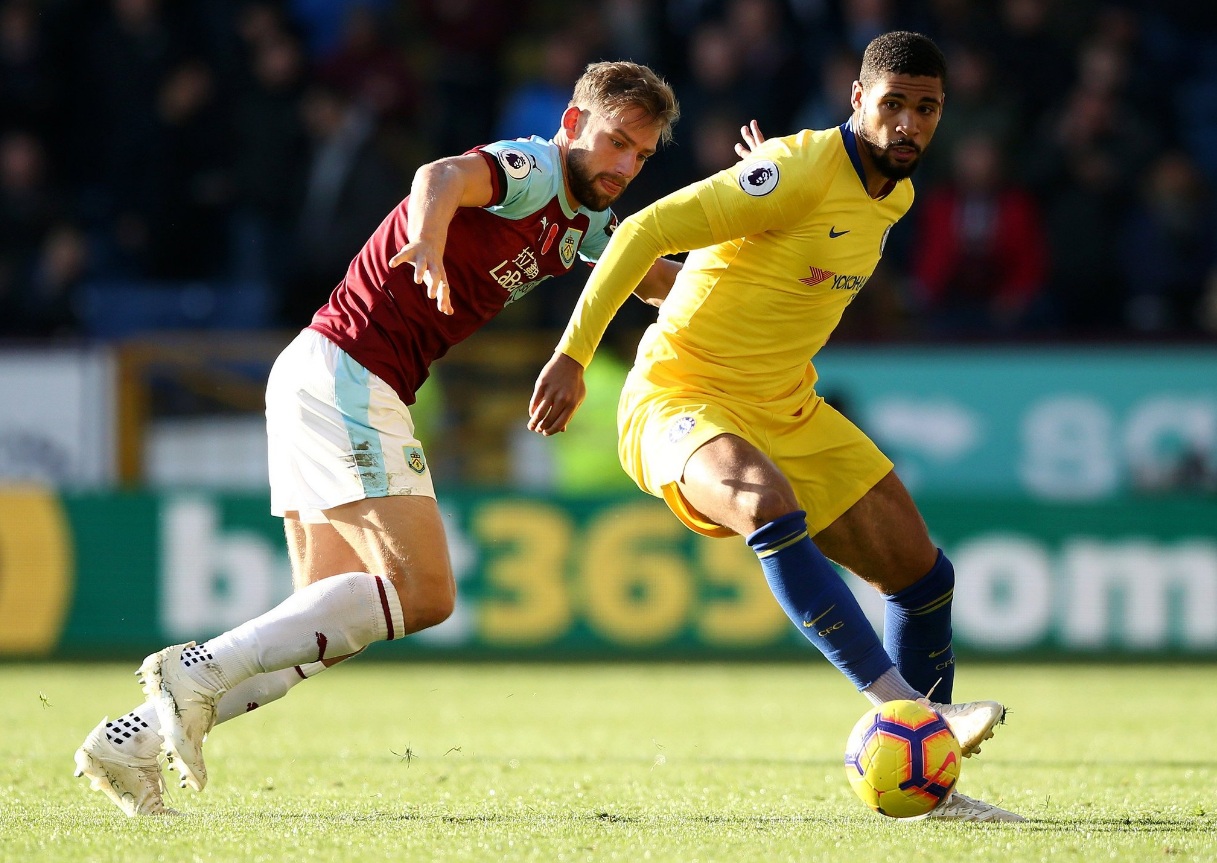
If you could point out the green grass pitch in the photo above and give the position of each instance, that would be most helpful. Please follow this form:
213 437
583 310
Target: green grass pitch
453 762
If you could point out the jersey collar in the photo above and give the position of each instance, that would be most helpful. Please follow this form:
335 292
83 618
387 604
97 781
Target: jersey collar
850 139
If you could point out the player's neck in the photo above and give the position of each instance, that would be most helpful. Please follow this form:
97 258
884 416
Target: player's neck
564 150
877 185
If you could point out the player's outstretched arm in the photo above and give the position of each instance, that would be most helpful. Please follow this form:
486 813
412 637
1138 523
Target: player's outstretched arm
557 395
657 283
438 190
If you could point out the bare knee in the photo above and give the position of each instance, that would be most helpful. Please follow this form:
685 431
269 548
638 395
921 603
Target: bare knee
432 611
427 599
754 506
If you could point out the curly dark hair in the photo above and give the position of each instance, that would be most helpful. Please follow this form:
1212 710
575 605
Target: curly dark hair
902 53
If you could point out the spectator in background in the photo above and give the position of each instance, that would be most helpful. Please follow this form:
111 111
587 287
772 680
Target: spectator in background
1029 60
127 60
28 82
980 257
350 185
324 22
545 91
50 298
827 105
1196 99
1173 225
863 20
978 105
1083 169
29 207
715 84
271 151
961 21
768 62
193 190
369 68
469 38
630 28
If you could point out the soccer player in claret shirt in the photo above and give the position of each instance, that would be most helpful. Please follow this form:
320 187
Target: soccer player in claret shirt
350 479
720 416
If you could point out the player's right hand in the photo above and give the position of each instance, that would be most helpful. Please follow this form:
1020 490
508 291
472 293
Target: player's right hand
428 264
557 395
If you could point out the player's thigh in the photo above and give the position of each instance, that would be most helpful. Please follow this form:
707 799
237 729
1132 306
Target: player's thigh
881 537
731 482
317 551
698 455
402 538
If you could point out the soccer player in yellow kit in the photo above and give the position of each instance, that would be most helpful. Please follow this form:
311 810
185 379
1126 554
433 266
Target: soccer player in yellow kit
720 416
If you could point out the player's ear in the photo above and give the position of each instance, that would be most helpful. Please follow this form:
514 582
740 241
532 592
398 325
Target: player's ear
855 96
572 122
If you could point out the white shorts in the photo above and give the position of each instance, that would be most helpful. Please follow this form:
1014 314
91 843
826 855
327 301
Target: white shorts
336 433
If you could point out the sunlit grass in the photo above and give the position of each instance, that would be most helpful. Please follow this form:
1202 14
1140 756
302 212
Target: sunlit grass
413 762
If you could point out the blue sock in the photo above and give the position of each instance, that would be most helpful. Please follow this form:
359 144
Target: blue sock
816 599
917 630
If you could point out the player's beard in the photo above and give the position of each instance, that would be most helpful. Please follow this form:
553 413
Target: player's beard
583 182
879 154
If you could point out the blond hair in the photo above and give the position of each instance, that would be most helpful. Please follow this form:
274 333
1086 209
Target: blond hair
614 87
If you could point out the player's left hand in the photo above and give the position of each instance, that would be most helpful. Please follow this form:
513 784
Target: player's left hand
752 139
557 395
428 261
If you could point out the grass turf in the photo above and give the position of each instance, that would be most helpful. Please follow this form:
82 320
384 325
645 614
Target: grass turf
421 762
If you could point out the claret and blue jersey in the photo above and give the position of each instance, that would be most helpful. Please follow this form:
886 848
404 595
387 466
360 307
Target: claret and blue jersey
494 256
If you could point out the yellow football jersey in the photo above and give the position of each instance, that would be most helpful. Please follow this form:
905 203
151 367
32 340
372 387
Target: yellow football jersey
782 242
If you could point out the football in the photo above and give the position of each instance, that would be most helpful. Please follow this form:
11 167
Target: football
902 759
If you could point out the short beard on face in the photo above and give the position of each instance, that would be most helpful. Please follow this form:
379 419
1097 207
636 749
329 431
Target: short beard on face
582 183
883 162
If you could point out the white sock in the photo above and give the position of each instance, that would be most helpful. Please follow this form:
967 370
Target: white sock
261 689
333 617
138 734
891 686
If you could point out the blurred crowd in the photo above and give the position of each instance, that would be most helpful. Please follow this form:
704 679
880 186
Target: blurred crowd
234 154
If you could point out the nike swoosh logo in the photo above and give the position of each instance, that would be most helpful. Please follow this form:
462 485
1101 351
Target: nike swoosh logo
809 625
833 233
938 653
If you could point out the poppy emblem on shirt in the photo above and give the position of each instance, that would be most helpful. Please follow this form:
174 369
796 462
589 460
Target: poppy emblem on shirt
758 179
569 245
681 428
415 460
518 165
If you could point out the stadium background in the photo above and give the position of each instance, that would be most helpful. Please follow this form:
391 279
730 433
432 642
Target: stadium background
182 183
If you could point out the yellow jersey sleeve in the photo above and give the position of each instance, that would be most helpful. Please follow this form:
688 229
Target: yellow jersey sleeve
741 201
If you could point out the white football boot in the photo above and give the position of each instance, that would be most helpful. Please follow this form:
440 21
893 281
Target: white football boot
134 784
186 709
972 722
960 807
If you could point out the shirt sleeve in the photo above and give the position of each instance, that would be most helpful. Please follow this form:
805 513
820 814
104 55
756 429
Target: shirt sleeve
747 199
598 237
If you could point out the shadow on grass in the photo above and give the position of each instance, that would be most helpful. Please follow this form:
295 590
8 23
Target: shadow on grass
1200 824
1141 824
